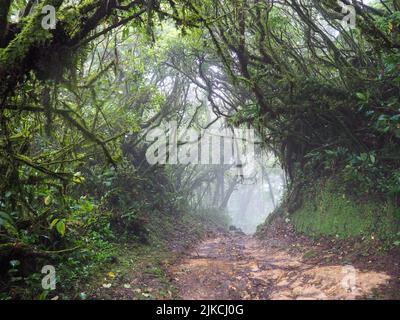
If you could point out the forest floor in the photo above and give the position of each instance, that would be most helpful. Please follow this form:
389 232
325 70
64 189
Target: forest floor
277 264
285 265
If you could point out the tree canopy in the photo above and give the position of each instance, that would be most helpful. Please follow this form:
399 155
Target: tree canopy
78 100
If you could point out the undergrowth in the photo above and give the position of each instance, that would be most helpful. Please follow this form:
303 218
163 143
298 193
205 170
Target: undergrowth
101 254
327 210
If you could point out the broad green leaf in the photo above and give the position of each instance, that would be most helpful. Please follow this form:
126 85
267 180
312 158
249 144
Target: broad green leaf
53 223
47 200
6 217
60 226
361 96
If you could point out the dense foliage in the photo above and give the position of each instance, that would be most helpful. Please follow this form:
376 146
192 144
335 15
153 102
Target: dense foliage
78 100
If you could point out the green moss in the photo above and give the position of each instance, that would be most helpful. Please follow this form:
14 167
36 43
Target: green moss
328 212
31 33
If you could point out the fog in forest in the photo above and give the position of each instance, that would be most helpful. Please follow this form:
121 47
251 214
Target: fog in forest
255 198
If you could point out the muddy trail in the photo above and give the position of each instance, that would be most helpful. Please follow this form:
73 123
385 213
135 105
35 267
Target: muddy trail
232 265
277 264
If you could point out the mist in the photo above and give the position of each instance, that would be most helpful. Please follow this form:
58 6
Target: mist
254 199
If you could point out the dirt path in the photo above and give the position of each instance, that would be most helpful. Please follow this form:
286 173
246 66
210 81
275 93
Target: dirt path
236 266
